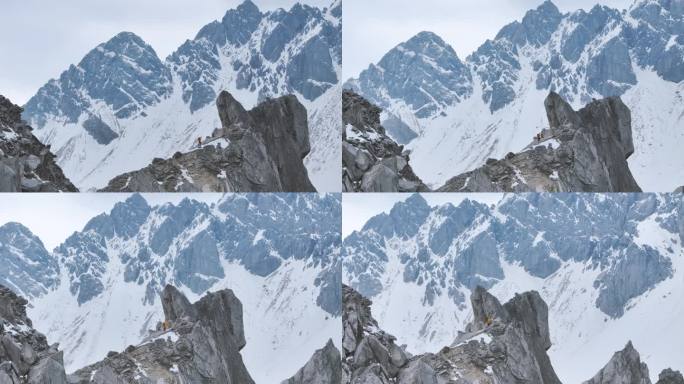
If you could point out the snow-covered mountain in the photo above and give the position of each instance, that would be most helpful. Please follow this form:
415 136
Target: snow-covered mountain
122 106
610 267
99 290
491 103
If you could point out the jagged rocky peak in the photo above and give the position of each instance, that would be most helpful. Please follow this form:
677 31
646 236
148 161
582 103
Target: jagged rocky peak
624 367
25 356
536 27
581 151
424 71
28 267
26 165
235 28
504 344
125 73
324 367
261 150
371 160
196 342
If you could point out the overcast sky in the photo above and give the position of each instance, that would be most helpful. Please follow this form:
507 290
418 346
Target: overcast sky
357 208
54 217
371 28
41 38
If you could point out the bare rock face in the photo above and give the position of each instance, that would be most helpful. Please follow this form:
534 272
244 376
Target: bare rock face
324 367
624 367
261 150
371 160
200 344
25 356
26 165
581 151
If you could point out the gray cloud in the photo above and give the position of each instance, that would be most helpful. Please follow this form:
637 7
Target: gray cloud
371 28
40 39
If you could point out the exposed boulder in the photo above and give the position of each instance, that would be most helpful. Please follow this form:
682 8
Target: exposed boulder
198 343
371 160
625 367
582 151
261 150
25 356
323 368
26 165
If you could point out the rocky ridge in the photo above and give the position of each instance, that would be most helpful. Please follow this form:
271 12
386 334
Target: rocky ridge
202 344
372 161
502 344
25 356
264 152
582 151
26 165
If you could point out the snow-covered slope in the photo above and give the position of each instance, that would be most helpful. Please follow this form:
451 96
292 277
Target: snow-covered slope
492 103
610 267
122 106
277 252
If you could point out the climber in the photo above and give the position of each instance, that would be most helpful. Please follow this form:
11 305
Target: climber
199 142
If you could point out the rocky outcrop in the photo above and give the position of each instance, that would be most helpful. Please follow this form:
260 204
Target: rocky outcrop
26 165
582 151
371 160
200 344
25 356
624 367
503 344
260 150
323 368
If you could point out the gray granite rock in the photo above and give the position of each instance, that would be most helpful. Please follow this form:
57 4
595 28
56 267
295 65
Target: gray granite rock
371 160
26 165
583 151
265 152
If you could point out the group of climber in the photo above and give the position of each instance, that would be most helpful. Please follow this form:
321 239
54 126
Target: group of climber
539 137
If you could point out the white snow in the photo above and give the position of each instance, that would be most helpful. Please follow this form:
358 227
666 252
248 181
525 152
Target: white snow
169 127
583 337
283 323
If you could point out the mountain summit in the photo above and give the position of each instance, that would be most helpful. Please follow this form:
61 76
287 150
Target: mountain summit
122 106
